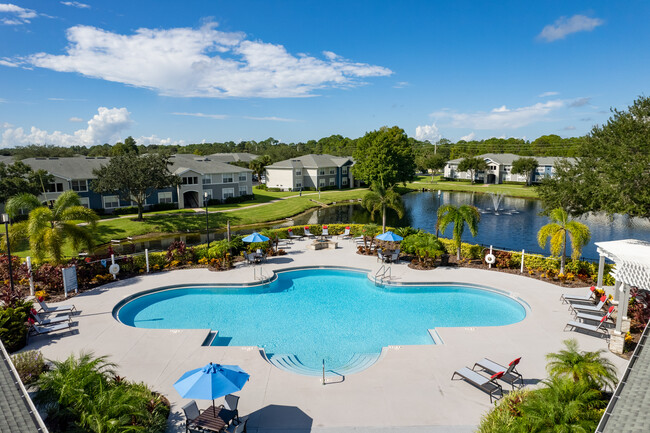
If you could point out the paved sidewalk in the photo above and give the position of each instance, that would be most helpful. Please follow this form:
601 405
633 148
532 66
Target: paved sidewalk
408 389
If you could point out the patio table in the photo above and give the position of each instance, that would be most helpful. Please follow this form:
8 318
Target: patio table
214 422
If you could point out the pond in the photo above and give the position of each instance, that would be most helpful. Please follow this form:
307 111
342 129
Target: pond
513 227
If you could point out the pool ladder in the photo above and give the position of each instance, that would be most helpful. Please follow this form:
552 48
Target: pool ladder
258 275
384 273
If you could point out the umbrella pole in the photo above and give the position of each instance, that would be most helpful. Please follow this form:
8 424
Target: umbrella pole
214 410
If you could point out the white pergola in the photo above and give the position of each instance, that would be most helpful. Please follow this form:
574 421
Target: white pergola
632 259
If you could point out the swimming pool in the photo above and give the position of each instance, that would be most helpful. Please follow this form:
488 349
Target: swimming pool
321 314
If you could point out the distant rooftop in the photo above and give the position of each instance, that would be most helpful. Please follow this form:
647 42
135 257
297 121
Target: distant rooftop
312 161
233 157
509 158
77 167
201 164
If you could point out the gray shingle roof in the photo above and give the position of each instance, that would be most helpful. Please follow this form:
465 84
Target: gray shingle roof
627 411
7 159
233 157
77 167
202 164
509 158
16 412
312 161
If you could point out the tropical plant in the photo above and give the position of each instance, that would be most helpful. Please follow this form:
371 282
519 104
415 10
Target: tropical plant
561 406
258 165
13 331
424 245
525 166
562 229
589 367
48 229
472 165
379 199
459 217
29 365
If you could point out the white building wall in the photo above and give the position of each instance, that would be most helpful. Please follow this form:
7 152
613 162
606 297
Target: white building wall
280 178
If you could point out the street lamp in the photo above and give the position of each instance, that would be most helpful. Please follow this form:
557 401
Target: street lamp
207 221
5 219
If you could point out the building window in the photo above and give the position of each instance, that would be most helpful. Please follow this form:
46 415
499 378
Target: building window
80 185
332 181
227 192
165 197
321 182
227 178
111 202
243 190
243 177
298 172
345 181
55 187
190 180
332 170
207 179
321 172
85 202
344 170
298 184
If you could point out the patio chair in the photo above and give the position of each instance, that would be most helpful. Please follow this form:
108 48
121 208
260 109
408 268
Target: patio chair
568 297
237 428
308 233
250 259
487 384
598 329
41 321
589 308
292 236
46 329
596 317
380 255
326 232
192 412
55 309
510 375
231 402
395 256
346 234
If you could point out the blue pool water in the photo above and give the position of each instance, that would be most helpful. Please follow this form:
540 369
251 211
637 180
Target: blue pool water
319 314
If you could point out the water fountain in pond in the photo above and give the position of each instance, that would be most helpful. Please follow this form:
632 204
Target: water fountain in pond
497 209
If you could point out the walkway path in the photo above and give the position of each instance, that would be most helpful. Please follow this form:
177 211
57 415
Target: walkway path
407 390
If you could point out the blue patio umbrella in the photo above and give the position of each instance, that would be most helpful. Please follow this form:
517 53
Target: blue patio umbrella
255 237
212 381
389 236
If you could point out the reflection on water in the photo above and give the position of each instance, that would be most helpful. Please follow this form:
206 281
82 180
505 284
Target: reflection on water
515 231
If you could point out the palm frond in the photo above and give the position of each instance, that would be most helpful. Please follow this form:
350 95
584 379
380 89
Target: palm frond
67 199
25 202
78 235
79 213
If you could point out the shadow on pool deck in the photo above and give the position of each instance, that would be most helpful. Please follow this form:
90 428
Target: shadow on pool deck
275 418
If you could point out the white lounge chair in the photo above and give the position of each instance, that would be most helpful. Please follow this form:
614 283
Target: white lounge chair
292 236
487 384
569 297
510 373
345 234
46 329
307 232
326 232
55 309
599 329
42 321
589 308
596 317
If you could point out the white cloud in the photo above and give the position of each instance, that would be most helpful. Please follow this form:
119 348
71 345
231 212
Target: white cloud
4 125
564 26
211 116
545 94
75 119
501 117
154 139
104 127
76 5
401 84
428 133
272 118
569 128
469 137
18 15
579 102
201 62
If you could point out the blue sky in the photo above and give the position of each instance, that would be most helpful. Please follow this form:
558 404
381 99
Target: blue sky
185 72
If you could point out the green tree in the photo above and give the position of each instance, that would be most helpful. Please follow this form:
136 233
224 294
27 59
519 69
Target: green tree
384 157
611 175
379 199
19 178
135 178
525 166
49 229
472 165
561 230
459 217
577 365
129 147
258 165
430 161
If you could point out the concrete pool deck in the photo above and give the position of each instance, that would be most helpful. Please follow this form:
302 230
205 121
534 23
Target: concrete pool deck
408 389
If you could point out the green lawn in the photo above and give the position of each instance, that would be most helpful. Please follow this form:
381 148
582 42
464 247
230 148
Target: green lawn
513 190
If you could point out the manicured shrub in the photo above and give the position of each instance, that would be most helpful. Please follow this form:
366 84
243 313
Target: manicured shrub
13 329
30 365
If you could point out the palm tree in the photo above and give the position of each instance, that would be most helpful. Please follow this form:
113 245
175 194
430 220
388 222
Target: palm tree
380 199
48 229
459 216
590 367
562 406
559 229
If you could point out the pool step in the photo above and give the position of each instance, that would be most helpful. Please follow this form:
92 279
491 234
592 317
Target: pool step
291 363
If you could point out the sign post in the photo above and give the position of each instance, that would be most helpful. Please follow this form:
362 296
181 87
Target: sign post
31 277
